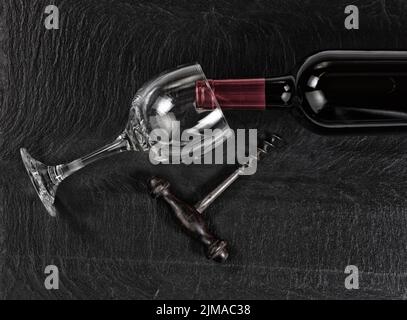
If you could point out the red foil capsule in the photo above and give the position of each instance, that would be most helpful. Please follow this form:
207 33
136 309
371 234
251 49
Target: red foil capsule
232 94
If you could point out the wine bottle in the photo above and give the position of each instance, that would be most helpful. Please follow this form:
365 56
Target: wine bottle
332 91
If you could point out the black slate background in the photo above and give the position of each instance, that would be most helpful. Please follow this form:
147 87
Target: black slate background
319 205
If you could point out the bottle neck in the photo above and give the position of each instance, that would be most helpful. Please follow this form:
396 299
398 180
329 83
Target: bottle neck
280 91
249 94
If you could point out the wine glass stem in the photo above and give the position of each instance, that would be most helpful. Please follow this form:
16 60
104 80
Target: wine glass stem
64 170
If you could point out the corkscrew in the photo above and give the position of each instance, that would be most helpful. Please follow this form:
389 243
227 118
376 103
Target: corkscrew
191 218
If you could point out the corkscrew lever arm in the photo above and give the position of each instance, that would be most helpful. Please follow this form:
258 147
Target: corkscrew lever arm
191 220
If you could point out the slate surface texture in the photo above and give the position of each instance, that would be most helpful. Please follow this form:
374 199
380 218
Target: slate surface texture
321 204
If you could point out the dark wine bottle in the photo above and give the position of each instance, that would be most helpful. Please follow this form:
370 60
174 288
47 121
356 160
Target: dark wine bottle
332 91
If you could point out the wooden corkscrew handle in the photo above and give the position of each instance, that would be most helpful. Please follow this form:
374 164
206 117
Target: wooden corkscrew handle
192 221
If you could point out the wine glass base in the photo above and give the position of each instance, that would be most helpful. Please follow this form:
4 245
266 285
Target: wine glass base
38 173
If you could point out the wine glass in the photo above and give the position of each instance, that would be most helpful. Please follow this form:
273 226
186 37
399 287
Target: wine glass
164 107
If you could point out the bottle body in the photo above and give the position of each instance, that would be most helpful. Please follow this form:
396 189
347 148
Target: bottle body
334 91
353 90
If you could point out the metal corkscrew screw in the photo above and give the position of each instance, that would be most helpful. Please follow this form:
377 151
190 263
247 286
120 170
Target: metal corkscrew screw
274 142
191 217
